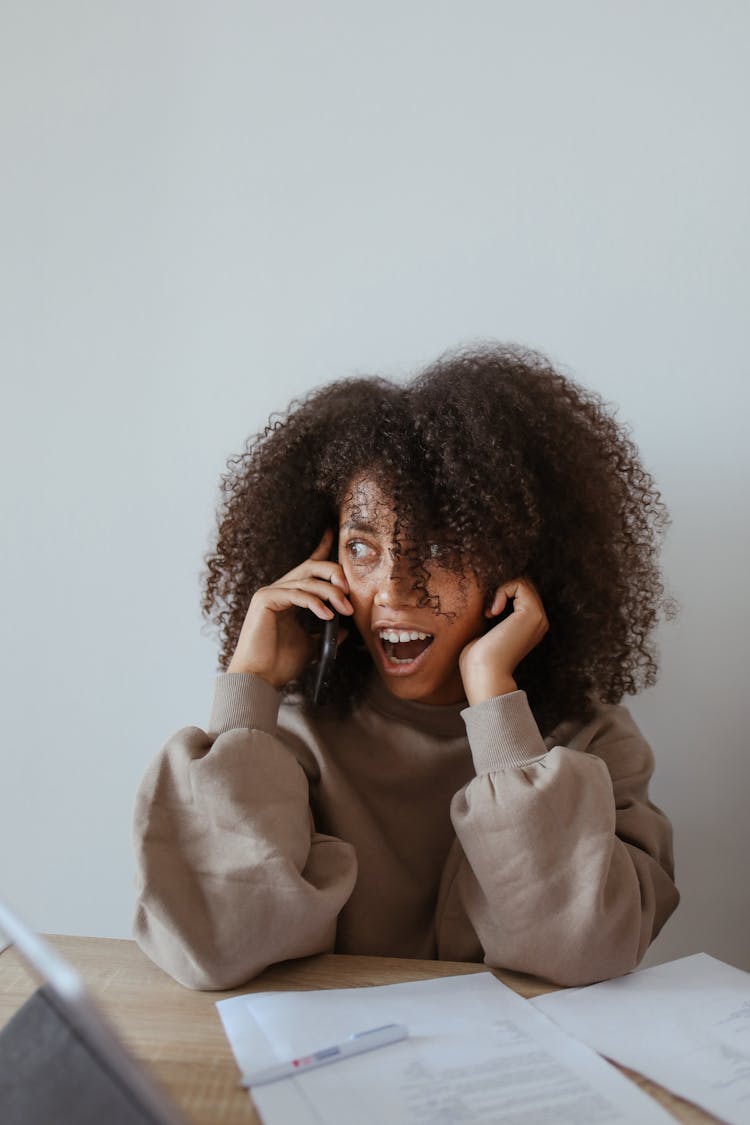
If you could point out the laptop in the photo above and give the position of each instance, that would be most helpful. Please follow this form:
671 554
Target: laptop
60 1059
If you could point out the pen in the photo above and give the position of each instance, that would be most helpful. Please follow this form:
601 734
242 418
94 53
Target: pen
355 1045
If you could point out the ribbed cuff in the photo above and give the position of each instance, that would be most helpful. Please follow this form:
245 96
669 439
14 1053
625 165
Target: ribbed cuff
242 700
503 733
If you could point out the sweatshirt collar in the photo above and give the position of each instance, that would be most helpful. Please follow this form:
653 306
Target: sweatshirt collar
442 720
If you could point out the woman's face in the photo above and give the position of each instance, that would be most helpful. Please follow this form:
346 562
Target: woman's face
415 649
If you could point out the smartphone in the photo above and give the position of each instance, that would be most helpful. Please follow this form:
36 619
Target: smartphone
328 645
326 658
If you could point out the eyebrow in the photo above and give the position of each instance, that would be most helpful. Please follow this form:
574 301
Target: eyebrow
357 525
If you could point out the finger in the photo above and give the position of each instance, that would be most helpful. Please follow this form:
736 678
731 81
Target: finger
523 590
323 549
279 598
323 590
337 576
332 571
527 601
498 604
320 568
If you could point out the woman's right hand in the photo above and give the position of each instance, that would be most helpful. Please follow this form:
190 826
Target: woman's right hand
272 642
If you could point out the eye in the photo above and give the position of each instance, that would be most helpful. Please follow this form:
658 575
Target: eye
359 551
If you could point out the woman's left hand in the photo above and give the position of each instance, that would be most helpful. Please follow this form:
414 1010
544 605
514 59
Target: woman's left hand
488 662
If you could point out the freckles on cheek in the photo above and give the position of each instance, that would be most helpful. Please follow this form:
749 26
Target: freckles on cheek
360 599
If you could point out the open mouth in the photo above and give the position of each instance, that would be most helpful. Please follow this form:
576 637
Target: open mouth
404 647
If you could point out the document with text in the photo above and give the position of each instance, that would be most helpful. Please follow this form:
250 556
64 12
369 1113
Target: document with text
476 1052
685 1025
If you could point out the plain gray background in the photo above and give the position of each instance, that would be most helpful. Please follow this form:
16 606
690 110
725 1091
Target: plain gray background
209 208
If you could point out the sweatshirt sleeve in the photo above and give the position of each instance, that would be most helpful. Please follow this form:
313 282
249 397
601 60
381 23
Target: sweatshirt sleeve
232 875
567 868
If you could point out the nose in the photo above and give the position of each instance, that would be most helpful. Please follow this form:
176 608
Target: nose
394 585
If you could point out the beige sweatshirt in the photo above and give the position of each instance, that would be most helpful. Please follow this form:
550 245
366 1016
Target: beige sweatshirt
403 830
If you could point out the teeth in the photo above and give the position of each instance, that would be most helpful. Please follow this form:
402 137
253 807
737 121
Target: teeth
394 636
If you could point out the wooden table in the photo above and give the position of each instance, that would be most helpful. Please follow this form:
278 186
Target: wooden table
178 1032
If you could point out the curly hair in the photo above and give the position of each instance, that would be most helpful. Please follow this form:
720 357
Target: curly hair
504 462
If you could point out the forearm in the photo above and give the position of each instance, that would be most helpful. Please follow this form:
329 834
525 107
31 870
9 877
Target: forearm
549 886
232 876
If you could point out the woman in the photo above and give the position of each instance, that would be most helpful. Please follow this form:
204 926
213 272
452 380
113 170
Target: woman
471 789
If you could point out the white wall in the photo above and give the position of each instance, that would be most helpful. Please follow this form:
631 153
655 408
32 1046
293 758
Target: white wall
207 208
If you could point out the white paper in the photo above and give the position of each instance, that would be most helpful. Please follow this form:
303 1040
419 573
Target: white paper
476 1052
686 1025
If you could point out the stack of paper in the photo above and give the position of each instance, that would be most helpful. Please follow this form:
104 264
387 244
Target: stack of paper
686 1025
476 1052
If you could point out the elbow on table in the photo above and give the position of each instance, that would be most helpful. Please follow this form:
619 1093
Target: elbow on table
592 967
572 968
209 977
200 969
203 975
614 940
582 956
